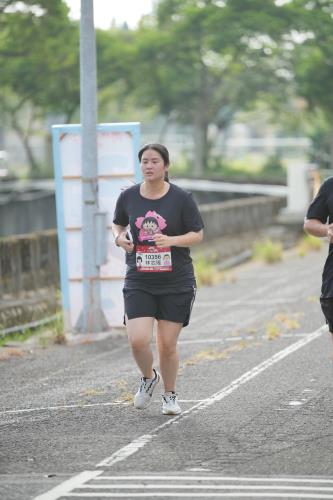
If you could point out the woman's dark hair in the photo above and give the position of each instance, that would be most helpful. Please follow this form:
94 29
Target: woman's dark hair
149 219
159 148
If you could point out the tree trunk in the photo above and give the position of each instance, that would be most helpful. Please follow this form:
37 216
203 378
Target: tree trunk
200 124
331 145
34 166
200 137
164 129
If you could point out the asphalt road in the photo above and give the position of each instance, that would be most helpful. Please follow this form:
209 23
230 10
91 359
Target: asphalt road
255 386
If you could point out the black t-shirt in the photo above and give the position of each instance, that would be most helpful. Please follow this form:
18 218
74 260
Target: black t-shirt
321 208
174 214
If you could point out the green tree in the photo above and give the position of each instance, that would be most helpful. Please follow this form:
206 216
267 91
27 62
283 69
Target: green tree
203 61
39 57
116 56
313 56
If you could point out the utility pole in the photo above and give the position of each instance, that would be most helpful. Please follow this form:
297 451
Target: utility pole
93 222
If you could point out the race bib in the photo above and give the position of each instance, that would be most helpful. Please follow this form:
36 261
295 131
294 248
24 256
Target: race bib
153 259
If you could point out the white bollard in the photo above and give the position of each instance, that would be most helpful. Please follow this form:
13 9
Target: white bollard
299 190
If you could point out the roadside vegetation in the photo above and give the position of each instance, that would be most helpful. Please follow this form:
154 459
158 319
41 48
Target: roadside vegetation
268 251
249 168
309 243
207 272
281 323
264 57
47 334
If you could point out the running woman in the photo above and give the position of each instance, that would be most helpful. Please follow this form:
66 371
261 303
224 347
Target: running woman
319 222
164 222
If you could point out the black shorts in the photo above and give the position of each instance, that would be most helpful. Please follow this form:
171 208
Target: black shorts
327 308
174 307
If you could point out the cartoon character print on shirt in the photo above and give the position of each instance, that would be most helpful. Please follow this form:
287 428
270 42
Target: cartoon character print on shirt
152 223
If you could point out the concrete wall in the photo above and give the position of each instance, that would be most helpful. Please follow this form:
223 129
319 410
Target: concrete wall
29 269
30 206
29 278
27 212
235 216
28 262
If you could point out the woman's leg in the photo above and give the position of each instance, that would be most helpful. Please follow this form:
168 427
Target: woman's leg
167 336
140 332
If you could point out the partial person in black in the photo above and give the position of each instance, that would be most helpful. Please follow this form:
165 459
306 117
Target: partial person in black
319 222
164 222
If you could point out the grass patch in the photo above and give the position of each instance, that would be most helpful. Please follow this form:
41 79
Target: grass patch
268 251
16 337
58 330
53 333
215 354
272 330
280 323
125 396
206 272
290 322
91 392
308 244
54 330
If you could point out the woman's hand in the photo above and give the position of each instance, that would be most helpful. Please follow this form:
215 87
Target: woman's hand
162 240
183 240
125 243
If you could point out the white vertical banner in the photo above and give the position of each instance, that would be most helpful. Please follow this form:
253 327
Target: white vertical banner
118 168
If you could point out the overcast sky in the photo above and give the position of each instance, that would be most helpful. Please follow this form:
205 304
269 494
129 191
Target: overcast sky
120 10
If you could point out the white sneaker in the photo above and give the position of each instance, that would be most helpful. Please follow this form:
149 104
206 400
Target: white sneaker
170 404
144 395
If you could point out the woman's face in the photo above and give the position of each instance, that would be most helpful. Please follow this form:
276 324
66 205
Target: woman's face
150 227
152 165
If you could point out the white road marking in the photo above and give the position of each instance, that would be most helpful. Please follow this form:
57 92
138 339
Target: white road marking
199 341
241 300
191 400
61 371
200 495
88 405
141 486
125 403
62 407
259 302
234 339
134 446
290 335
67 486
216 478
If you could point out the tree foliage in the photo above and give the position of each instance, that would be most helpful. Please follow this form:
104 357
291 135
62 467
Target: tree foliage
196 62
313 56
204 60
39 57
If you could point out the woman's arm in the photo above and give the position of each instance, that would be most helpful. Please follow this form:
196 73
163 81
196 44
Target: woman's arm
119 233
183 240
316 228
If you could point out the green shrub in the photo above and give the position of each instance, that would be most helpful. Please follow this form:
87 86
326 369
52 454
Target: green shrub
268 251
206 272
308 244
273 166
